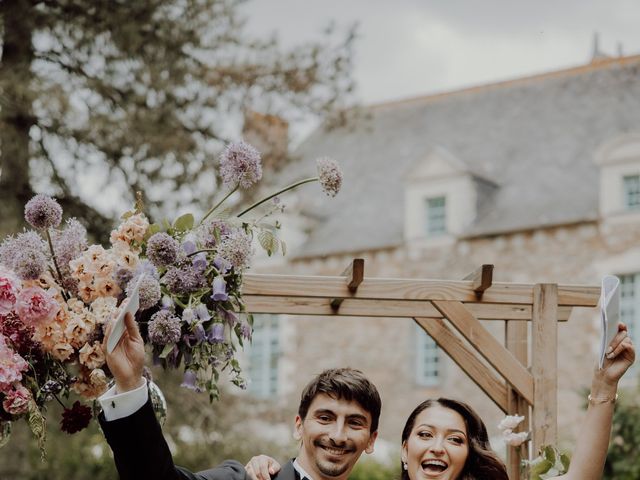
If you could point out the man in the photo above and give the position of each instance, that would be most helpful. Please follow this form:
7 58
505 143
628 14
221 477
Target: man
337 420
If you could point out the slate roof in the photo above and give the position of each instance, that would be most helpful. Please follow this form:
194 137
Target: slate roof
534 137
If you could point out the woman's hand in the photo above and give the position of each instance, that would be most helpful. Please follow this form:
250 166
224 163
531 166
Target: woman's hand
262 467
620 356
126 361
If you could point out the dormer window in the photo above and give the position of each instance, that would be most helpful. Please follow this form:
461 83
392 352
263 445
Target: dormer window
631 187
436 218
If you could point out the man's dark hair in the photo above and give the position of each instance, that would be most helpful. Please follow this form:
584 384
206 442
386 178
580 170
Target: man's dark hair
343 384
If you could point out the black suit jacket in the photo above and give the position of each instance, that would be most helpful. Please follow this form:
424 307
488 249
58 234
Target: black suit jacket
141 452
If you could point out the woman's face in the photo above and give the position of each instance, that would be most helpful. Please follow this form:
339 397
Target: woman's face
437 447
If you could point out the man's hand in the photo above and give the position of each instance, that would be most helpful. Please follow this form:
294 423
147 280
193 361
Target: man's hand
262 467
127 359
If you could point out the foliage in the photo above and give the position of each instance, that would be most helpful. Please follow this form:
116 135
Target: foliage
368 469
116 97
549 463
624 449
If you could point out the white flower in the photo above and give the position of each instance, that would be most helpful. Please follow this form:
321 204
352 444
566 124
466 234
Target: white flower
510 422
514 439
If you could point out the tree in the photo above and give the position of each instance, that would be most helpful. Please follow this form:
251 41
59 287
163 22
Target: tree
108 98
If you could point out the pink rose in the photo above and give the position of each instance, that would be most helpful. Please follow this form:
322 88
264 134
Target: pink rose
35 306
11 366
17 401
9 285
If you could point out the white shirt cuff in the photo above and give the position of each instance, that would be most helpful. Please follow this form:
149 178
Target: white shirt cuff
119 405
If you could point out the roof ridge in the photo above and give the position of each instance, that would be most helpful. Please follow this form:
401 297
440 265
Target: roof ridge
599 64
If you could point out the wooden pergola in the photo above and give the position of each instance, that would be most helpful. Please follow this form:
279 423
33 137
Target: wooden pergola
450 311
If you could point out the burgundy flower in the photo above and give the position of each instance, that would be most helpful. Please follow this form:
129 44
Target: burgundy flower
75 418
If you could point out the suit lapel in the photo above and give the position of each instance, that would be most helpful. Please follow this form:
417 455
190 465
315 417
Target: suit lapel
288 472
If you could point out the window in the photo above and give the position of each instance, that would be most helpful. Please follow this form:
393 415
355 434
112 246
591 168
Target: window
436 216
631 192
264 356
630 301
427 359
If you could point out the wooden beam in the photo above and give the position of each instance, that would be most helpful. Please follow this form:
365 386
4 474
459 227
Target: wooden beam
481 279
355 274
466 359
488 346
406 289
517 342
356 307
544 365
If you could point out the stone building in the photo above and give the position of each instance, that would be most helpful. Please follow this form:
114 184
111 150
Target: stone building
539 176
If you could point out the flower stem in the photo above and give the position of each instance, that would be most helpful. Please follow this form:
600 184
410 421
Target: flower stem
212 209
55 263
285 189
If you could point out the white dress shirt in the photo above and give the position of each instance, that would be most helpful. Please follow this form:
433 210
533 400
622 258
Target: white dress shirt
301 471
118 405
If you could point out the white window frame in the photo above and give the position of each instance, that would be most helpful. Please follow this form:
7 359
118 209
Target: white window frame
264 355
630 301
428 360
631 191
436 215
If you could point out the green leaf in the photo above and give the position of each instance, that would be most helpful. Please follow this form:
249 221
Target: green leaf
566 461
166 350
153 229
550 454
539 467
37 424
268 241
184 223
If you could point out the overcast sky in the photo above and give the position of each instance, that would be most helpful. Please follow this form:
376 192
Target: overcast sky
414 47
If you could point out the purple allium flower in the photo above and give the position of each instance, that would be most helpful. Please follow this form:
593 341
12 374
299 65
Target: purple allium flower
219 289
216 333
123 277
43 211
199 262
246 330
164 328
12 246
211 232
29 264
75 418
162 249
236 249
183 279
240 165
149 290
189 381
69 243
329 175
147 268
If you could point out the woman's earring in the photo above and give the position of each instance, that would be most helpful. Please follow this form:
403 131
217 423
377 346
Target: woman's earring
404 465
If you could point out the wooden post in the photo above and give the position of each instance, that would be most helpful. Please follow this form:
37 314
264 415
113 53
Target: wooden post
544 359
516 341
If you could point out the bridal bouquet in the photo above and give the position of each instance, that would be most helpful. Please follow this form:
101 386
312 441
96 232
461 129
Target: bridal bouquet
57 294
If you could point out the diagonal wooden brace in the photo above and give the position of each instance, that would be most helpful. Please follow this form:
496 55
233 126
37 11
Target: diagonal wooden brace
466 359
488 346
355 274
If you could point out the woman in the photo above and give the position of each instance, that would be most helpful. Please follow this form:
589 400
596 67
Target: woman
446 440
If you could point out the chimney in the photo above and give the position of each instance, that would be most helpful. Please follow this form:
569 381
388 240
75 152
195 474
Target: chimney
597 56
270 135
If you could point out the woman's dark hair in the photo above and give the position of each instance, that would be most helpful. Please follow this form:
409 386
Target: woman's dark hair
482 462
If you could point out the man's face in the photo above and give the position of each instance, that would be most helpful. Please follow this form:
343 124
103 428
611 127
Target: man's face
334 434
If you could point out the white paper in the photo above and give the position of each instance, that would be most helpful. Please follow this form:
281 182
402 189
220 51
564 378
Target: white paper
609 312
133 303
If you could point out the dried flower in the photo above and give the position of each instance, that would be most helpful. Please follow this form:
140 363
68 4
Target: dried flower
329 175
12 246
92 355
240 165
11 365
211 233
162 249
9 286
164 328
75 418
130 232
149 291
43 211
183 279
17 400
236 249
69 242
29 264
